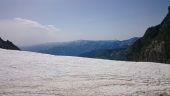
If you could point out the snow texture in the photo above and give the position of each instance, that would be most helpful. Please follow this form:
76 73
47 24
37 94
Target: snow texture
34 74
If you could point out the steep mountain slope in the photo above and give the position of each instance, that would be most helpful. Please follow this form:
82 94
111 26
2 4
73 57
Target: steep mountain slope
35 74
76 48
154 46
8 45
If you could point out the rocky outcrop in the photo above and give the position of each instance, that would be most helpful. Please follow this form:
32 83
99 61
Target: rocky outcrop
8 45
154 46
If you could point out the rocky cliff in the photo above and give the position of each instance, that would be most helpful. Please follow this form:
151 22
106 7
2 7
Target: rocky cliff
154 46
8 45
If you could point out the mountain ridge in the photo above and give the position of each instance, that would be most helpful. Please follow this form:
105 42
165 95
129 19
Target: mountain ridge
79 47
7 45
154 46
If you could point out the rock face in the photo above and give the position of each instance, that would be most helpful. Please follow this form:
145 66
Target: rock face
8 45
154 46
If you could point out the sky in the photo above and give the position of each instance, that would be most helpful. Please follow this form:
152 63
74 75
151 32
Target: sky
32 22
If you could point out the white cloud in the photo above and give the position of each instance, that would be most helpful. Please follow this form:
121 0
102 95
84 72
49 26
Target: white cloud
37 25
24 32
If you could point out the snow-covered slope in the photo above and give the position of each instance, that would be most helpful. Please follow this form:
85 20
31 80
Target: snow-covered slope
35 74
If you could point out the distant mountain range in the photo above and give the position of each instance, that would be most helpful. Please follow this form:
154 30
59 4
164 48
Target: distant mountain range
154 46
112 54
84 48
117 53
8 45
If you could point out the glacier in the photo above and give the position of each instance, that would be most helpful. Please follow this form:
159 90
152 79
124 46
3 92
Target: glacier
34 74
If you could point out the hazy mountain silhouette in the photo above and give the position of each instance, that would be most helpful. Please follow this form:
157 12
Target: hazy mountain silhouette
83 48
119 53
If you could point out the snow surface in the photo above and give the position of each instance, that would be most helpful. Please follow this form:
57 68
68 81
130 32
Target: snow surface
34 74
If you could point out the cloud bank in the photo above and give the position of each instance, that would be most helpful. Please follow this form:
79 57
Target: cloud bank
24 32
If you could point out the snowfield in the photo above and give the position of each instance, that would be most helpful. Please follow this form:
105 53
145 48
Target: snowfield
34 74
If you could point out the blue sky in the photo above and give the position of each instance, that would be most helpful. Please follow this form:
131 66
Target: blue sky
65 20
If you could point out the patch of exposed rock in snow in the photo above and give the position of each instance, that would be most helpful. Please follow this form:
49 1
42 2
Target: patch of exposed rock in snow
34 74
